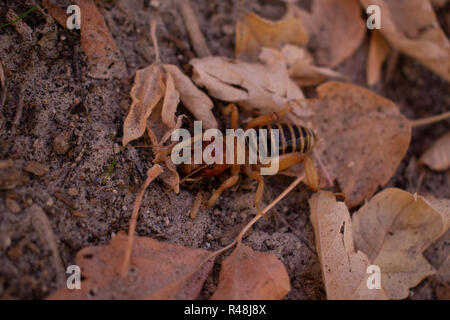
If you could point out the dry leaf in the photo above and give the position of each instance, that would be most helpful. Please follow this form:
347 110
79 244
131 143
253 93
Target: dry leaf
259 88
104 57
301 67
58 13
438 156
195 100
364 138
335 27
254 32
344 270
147 91
393 229
160 270
378 53
251 275
412 28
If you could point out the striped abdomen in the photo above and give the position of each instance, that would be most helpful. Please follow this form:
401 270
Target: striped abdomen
292 138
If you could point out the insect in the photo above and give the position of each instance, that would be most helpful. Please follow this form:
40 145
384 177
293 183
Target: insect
295 142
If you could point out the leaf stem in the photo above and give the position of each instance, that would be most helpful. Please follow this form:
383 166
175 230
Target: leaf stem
429 120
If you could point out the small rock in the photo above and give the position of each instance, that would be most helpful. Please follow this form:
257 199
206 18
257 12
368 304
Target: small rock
72 192
11 178
5 242
116 148
61 144
36 168
209 236
154 4
228 29
166 221
50 202
15 253
12 205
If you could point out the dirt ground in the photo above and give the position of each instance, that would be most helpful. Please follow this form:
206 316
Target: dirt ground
86 115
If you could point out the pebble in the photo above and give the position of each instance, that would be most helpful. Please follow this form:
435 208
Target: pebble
61 144
49 202
155 4
36 168
12 205
166 221
116 148
72 192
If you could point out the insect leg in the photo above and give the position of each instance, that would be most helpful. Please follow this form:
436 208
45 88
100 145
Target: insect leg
260 189
269 118
233 110
231 181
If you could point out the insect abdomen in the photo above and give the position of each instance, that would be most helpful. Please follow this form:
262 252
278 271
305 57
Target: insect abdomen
292 138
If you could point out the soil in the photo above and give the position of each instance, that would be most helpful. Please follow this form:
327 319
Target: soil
73 125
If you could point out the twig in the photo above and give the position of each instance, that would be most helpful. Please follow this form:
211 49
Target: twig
3 87
154 40
270 206
429 120
196 205
152 173
19 110
193 29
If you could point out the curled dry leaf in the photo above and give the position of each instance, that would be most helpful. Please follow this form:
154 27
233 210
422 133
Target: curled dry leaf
58 13
393 229
257 87
344 269
412 28
335 27
160 270
378 53
301 68
250 275
254 32
104 57
363 138
438 156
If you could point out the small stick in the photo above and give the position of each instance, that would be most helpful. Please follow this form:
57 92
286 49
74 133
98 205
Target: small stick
155 41
152 173
193 29
19 110
270 206
3 87
429 120
196 205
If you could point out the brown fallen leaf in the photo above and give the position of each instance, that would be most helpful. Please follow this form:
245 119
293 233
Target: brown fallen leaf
104 57
254 32
251 275
412 28
160 270
363 138
257 87
393 229
335 27
378 52
344 269
301 68
155 96
438 156
58 13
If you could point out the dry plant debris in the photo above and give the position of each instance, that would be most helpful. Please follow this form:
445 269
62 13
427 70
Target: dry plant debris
393 229
159 270
343 267
254 32
364 138
105 60
258 87
335 27
155 95
438 156
301 68
412 28
378 52
250 275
